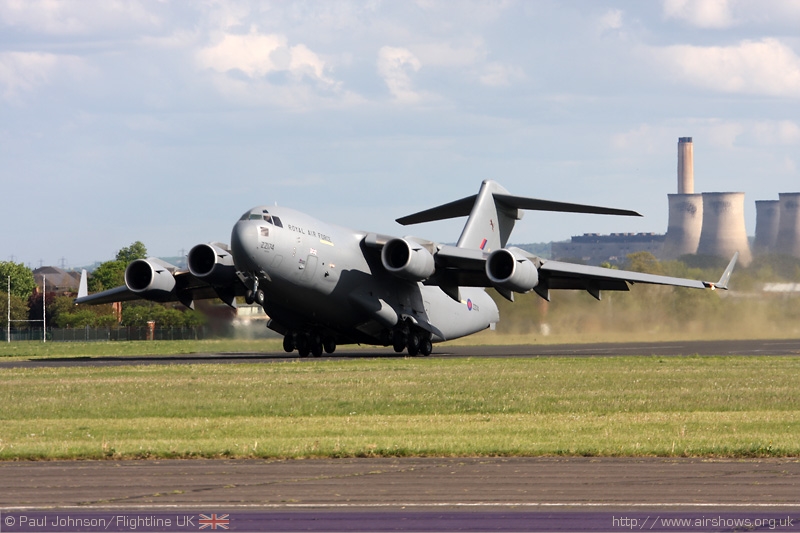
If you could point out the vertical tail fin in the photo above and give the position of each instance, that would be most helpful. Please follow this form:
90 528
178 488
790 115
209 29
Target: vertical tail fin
83 287
490 222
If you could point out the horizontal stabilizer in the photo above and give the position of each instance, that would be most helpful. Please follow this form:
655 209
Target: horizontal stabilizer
534 204
463 207
459 208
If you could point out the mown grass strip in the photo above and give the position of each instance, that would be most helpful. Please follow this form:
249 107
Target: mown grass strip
737 434
37 349
726 406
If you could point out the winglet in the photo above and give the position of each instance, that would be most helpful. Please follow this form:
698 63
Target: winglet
83 287
725 277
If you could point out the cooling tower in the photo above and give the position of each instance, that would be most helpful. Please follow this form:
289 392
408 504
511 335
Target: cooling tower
767 223
684 226
685 166
788 240
723 226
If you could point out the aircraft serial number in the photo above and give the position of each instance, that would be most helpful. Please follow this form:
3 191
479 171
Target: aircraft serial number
267 246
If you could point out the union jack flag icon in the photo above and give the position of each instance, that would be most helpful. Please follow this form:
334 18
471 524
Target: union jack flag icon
213 521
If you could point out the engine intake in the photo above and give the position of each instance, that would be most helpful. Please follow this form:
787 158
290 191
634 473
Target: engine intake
212 263
408 260
510 270
150 277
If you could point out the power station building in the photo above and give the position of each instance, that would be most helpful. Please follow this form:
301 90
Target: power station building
778 225
710 223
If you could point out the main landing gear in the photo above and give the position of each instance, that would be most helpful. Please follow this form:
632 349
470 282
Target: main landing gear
308 343
408 337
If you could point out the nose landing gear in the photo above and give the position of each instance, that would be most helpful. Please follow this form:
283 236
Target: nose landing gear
255 294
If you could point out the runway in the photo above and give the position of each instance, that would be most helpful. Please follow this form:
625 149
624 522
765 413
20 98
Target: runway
409 494
416 494
567 483
666 349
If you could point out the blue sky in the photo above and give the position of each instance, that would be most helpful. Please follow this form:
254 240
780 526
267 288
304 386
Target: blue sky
164 121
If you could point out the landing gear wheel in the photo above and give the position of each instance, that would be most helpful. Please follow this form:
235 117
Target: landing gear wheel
249 297
426 347
399 342
288 343
413 344
329 345
316 346
260 298
303 345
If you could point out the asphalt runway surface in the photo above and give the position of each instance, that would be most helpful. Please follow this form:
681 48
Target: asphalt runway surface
417 494
409 494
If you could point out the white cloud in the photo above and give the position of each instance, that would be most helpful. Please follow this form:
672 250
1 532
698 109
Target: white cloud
448 55
700 13
611 20
766 67
70 17
497 75
721 133
394 65
642 139
257 55
783 132
26 71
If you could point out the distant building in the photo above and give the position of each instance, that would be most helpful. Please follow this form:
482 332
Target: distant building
58 279
593 249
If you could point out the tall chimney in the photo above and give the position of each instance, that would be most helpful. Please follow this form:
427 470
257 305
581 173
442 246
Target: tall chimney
723 226
788 240
767 225
685 166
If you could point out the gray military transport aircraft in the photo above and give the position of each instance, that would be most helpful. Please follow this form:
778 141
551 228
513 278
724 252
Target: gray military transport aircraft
324 285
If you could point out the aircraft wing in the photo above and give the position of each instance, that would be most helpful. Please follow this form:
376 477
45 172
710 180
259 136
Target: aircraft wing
155 280
468 267
187 289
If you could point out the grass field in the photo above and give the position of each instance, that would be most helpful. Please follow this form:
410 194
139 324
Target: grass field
611 406
36 349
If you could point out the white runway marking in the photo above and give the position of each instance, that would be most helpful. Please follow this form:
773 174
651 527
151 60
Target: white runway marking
416 505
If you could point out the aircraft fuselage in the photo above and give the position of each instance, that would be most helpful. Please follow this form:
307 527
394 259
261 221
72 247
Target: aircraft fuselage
322 278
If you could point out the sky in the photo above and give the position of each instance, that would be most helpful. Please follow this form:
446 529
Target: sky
162 121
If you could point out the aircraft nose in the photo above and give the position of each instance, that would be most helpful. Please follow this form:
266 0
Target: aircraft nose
244 240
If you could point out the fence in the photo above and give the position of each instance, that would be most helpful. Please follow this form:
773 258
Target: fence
107 334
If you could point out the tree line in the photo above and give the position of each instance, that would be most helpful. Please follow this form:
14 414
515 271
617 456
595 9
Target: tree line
62 312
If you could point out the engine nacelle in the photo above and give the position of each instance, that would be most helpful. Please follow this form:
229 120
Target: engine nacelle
408 260
151 278
213 264
511 271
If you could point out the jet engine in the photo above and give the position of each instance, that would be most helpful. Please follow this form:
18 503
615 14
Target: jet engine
150 278
407 259
510 270
212 263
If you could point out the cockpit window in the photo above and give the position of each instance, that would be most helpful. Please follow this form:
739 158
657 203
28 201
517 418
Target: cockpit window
262 215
